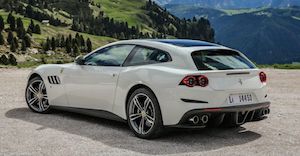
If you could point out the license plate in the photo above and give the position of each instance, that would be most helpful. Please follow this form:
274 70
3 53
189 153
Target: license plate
240 98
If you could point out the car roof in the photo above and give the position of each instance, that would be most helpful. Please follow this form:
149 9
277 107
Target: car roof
182 46
179 43
184 42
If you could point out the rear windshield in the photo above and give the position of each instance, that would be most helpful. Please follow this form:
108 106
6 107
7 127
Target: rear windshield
220 60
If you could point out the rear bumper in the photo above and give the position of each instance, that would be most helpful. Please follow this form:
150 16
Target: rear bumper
250 107
249 112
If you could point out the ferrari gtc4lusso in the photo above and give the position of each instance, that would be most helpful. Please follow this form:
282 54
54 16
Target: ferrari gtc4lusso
153 84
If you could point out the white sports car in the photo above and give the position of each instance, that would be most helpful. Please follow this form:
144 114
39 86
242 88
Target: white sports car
153 84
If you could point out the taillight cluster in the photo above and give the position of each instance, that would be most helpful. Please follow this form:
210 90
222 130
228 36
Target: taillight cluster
195 80
263 77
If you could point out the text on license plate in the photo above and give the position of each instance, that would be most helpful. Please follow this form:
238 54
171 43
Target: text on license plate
240 98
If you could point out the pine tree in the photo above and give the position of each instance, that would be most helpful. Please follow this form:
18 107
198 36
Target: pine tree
21 33
29 32
77 36
4 60
62 41
75 50
27 41
9 18
23 46
10 37
13 47
1 24
1 39
12 59
19 23
45 46
16 42
68 46
31 27
89 45
53 44
82 42
37 29
57 42
12 23
20 28
29 11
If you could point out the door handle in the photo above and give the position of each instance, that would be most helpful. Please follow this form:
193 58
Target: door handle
114 75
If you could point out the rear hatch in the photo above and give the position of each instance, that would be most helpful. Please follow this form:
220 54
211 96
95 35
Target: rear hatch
234 80
227 69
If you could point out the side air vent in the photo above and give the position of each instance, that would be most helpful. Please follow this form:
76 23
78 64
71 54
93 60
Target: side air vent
53 79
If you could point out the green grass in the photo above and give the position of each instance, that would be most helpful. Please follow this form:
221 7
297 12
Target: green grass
49 31
62 15
128 11
28 64
281 66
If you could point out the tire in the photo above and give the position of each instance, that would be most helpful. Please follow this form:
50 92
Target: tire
36 96
146 111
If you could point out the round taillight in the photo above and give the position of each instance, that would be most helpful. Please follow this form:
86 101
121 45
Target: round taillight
263 77
189 81
203 81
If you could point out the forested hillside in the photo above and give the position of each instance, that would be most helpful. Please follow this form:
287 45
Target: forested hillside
66 28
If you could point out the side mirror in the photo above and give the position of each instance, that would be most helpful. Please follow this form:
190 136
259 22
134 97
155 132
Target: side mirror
79 60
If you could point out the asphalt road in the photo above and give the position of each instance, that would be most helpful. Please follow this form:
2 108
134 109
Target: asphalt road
23 132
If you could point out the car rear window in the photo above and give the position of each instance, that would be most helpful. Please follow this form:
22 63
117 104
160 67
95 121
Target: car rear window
220 60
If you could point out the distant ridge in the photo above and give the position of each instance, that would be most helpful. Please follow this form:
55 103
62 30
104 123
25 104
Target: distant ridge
234 4
266 35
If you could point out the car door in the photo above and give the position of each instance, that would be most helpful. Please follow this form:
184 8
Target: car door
93 84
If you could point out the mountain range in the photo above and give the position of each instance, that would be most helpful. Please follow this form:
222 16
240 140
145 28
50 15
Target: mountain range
267 35
233 4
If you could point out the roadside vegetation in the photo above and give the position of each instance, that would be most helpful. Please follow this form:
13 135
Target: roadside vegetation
281 66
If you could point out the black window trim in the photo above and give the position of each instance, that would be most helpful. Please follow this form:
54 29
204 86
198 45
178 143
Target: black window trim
240 53
133 52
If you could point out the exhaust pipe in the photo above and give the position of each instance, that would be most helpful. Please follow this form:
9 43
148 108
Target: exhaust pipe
265 112
204 119
195 119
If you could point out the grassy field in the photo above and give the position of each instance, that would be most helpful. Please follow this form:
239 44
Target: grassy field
281 66
126 10
49 31
37 39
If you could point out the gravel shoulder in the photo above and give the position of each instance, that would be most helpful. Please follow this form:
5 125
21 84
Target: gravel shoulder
23 132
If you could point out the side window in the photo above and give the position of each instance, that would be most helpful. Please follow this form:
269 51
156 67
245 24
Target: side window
143 55
110 56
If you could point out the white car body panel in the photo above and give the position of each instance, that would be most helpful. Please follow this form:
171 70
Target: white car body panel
106 88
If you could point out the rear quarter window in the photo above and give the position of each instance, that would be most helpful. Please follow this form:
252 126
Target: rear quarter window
144 55
221 60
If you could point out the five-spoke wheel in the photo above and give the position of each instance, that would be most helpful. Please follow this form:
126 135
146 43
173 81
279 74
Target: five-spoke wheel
143 114
36 95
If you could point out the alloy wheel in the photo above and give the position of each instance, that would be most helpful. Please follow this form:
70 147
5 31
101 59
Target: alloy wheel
141 113
36 96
